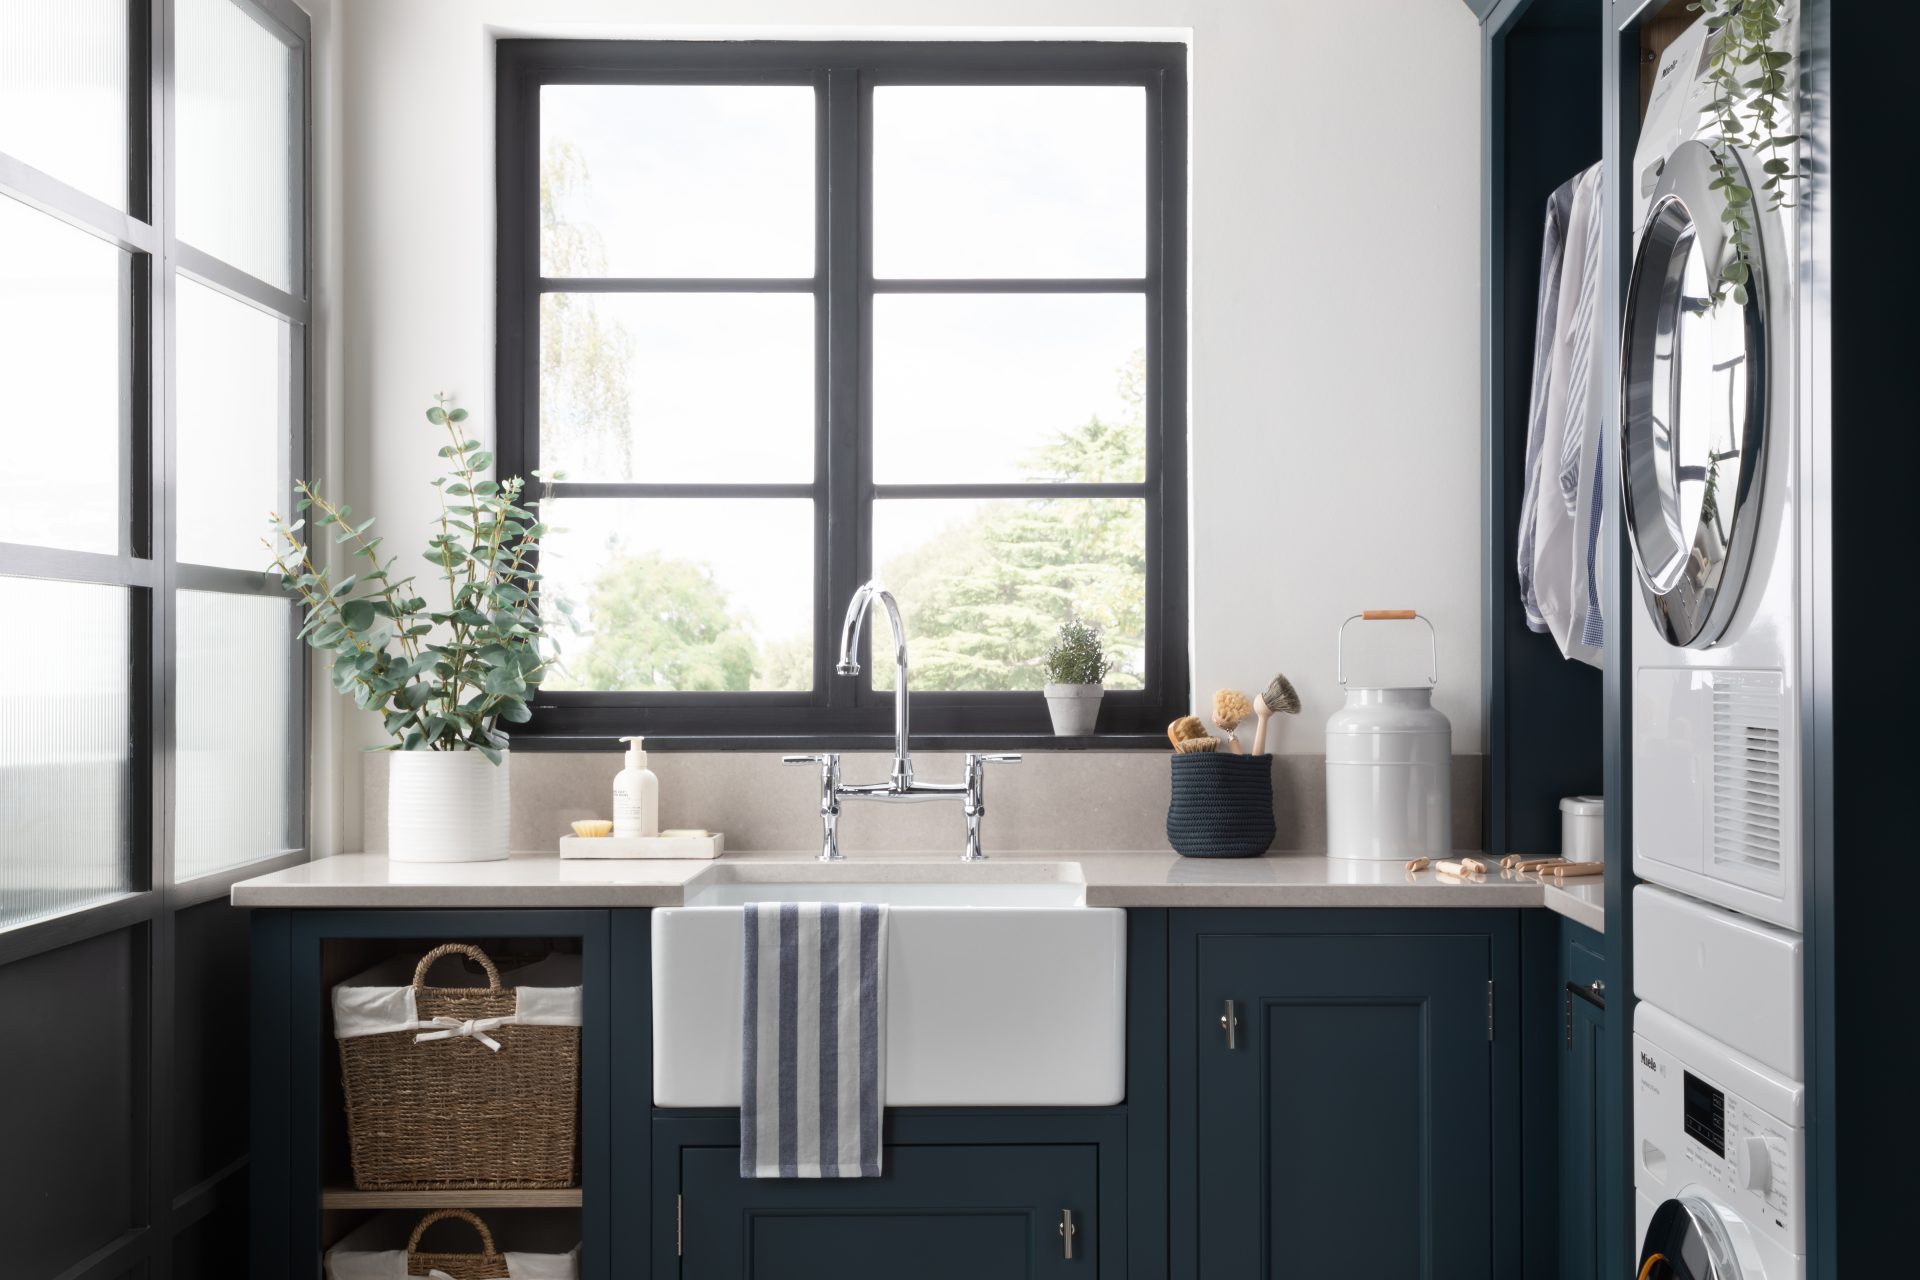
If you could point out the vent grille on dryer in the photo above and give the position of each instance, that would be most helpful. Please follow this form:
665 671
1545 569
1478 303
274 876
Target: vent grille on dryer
1746 770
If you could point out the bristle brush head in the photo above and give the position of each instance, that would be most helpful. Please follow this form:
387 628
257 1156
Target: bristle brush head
1282 697
1184 728
1195 746
1230 707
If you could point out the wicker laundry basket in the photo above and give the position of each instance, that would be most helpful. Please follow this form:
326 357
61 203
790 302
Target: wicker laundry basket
488 1264
479 1089
345 1262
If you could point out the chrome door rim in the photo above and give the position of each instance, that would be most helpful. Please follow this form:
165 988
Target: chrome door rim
1691 557
1695 1221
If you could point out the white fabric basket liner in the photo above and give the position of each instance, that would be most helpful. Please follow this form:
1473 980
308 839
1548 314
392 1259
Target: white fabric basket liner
391 1264
368 1004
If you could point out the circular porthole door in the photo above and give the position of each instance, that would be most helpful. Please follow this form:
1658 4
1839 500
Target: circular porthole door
1693 404
1688 1239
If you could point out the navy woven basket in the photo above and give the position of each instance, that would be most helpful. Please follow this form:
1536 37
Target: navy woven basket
1222 805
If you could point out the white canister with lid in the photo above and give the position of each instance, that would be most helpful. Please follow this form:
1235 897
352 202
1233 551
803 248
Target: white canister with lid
1389 763
1583 828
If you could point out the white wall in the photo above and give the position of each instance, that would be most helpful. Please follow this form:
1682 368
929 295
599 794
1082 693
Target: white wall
1335 212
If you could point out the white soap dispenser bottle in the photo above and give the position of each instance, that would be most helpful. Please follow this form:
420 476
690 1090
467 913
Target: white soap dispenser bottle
636 795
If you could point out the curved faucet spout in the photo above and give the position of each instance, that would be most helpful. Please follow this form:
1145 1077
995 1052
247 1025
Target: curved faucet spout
849 665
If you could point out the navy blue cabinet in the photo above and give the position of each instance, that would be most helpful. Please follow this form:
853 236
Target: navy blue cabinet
1338 1110
964 1195
1581 1101
1357 1113
941 1212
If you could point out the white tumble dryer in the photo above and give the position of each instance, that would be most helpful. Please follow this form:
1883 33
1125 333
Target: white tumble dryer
1710 497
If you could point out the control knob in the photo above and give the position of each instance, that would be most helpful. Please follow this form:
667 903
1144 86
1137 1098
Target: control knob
1755 1164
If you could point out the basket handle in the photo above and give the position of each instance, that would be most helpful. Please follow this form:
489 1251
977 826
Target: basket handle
456 949
441 1215
1387 615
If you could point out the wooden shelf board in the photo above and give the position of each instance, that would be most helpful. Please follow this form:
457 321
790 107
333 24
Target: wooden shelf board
531 1198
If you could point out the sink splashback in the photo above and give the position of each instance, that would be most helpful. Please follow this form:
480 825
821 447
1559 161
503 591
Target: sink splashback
1055 801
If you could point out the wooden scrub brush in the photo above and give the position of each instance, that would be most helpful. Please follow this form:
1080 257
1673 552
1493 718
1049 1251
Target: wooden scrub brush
1279 698
1195 746
1230 707
1184 728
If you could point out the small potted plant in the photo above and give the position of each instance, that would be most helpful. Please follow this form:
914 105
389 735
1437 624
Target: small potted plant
441 676
1076 666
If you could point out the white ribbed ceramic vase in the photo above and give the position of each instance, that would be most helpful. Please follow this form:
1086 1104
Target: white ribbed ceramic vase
446 806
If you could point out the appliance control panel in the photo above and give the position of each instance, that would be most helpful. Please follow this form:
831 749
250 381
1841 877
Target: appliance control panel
1690 1128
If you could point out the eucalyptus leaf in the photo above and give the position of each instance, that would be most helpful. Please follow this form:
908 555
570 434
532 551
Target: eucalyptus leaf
356 615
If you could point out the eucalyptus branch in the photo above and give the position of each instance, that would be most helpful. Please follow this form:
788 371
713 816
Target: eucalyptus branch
448 694
1747 112
311 498
318 604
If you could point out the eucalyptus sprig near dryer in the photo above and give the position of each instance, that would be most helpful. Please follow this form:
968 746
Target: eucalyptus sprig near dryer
1749 106
1230 710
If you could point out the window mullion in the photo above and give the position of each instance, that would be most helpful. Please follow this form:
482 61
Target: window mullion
847 511
158 481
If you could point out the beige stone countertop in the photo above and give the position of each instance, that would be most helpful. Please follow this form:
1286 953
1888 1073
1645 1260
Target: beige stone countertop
1142 879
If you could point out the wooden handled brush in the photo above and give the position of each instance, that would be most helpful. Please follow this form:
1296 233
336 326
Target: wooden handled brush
1278 697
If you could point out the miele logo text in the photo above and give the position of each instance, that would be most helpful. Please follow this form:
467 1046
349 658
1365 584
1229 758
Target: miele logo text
1646 1060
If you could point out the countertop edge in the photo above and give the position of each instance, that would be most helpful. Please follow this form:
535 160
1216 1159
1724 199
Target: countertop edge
1119 880
428 897
1576 906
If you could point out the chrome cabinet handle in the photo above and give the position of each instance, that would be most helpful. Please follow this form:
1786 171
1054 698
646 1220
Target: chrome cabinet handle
1230 1023
1067 1232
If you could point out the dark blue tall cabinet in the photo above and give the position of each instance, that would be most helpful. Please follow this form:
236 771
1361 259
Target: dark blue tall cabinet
1555 72
1552 77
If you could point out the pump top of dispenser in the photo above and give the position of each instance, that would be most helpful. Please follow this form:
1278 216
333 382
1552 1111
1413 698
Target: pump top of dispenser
636 756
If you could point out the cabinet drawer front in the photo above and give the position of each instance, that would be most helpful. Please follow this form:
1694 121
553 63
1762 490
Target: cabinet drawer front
938 1213
1349 1129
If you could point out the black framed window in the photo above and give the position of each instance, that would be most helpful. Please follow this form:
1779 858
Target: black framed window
153 404
789 316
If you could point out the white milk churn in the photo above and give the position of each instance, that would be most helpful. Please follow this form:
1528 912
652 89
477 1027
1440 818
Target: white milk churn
1389 762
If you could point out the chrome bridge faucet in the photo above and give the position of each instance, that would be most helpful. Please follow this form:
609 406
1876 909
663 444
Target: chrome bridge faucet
900 786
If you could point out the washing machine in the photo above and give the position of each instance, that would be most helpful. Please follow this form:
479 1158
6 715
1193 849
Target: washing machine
1710 500
1719 1158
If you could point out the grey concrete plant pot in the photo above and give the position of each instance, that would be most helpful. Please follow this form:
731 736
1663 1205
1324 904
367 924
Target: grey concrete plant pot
1074 708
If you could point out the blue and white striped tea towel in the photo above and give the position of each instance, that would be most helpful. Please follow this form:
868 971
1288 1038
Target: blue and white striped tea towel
813 1043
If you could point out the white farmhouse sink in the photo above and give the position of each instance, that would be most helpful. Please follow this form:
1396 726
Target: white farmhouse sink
1003 987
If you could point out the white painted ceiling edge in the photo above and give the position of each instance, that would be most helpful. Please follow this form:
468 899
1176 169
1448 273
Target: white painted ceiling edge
1334 415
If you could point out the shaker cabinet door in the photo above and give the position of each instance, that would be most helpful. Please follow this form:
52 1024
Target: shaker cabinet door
1582 1035
1347 1129
937 1213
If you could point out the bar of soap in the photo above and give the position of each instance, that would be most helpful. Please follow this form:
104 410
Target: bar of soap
692 833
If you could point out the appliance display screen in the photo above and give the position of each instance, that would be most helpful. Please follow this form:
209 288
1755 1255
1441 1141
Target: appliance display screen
1706 1114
